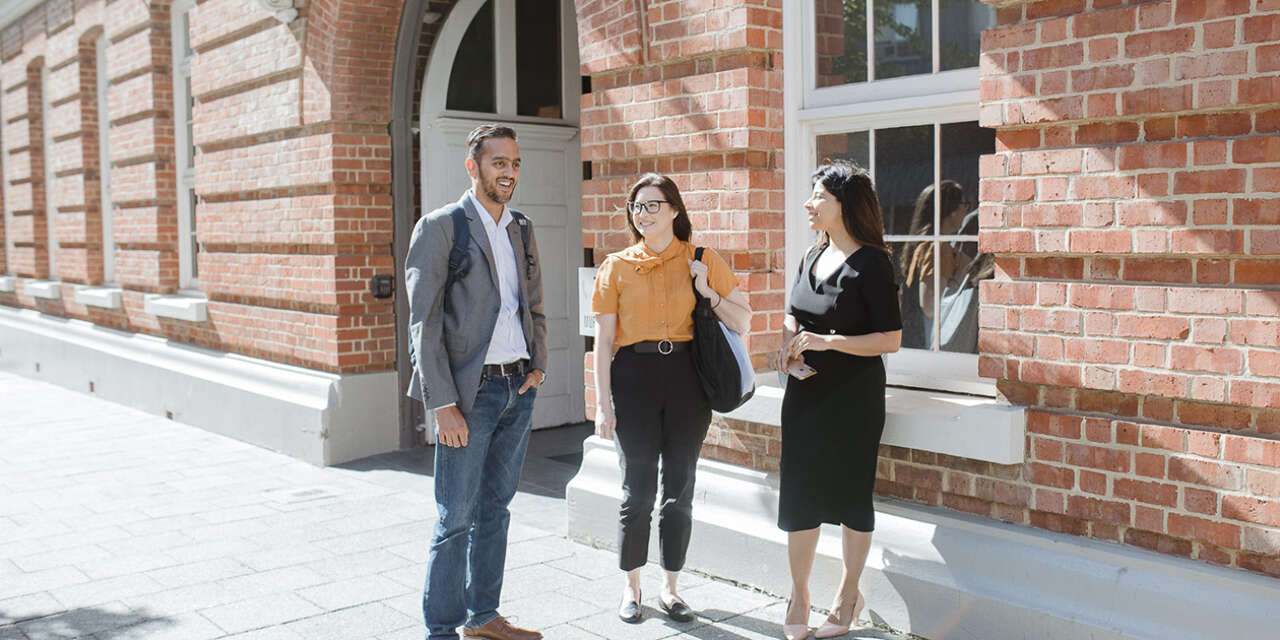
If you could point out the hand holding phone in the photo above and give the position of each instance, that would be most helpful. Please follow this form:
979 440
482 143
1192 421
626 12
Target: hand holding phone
799 370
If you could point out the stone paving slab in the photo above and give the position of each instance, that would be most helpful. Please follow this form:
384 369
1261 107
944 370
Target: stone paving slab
119 525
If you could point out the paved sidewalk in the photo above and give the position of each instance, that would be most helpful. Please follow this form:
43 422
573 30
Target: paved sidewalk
120 525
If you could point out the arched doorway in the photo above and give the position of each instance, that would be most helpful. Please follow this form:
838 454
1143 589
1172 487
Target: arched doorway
515 63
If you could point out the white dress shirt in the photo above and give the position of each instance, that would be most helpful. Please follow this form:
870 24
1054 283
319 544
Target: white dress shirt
508 343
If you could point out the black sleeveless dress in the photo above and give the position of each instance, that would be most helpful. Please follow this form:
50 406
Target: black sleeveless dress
831 422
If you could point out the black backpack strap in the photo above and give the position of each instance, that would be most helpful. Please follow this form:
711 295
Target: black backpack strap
526 229
697 255
459 264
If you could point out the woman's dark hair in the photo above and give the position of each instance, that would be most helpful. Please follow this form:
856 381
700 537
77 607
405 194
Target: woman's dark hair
859 204
681 226
922 217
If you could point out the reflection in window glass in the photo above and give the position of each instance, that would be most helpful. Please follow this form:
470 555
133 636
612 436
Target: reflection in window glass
904 170
195 245
538 65
841 41
471 81
960 27
904 38
938 277
854 147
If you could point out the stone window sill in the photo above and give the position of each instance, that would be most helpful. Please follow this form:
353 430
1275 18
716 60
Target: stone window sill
103 297
43 289
950 423
8 284
189 308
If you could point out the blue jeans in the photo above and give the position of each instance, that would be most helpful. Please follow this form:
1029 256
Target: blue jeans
473 485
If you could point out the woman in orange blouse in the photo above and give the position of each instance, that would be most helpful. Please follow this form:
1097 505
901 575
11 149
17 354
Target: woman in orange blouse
650 400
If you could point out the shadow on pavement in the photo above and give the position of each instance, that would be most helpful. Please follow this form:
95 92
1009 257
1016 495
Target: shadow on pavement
102 623
555 454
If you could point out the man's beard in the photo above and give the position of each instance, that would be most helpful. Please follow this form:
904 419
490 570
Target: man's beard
490 188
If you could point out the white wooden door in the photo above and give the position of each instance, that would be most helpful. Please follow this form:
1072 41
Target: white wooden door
549 193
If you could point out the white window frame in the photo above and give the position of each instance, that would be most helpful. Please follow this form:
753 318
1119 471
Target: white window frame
933 99
506 91
4 192
50 211
104 166
183 149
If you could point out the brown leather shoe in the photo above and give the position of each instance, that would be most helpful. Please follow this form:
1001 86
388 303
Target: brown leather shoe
500 629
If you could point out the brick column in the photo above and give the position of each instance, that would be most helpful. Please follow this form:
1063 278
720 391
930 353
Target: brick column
692 90
1132 204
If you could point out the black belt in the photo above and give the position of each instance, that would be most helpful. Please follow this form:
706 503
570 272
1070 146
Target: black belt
509 369
661 347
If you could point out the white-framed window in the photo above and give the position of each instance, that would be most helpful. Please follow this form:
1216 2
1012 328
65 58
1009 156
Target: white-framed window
104 165
50 211
893 86
184 147
514 65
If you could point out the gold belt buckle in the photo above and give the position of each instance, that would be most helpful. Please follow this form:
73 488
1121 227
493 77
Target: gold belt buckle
669 346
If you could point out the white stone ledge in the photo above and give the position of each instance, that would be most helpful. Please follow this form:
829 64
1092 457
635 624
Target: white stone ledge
104 297
320 417
8 284
947 575
949 423
189 308
43 289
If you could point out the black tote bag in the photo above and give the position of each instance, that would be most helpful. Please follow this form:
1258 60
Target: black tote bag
726 377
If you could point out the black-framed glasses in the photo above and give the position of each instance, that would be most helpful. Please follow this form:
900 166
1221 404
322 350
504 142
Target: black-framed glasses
651 206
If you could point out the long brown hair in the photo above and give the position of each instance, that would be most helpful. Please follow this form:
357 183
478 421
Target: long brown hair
859 204
681 227
919 255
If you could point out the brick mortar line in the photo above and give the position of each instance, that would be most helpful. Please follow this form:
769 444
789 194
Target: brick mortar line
711 55
257 82
265 24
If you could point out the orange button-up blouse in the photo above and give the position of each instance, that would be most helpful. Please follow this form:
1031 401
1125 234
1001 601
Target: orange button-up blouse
653 293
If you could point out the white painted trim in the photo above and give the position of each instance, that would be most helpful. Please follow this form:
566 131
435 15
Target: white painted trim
12 10
50 211
189 308
944 574
185 175
8 284
958 106
43 289
505 76
435 78
965 426
104 165
320 417
104 297
570 70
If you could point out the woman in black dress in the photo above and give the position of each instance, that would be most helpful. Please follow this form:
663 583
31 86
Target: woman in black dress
843 317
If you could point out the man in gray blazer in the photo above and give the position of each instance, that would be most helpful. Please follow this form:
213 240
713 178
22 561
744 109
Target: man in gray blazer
479 336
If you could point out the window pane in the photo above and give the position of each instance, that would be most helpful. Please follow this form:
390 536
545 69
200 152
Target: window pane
904 38
471 81
841 41
904 176
854 147
913 296
190 115
962 144
962 269
195 246
960 26
538 60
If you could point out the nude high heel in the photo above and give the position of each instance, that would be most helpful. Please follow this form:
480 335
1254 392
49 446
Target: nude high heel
831 629
793 631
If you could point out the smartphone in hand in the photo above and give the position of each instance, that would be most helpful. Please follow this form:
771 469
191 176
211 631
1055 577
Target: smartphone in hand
800 370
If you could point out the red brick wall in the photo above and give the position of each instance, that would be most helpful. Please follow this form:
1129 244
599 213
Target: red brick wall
292 170
692 90
1131 203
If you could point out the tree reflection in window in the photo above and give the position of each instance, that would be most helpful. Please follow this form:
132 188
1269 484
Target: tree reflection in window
903 38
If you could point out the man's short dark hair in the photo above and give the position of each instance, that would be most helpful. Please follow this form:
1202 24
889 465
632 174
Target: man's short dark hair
483 132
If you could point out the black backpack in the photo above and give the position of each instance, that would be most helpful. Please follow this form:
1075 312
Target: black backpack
713 357
460 260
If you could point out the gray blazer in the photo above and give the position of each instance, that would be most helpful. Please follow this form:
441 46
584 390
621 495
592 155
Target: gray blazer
451 347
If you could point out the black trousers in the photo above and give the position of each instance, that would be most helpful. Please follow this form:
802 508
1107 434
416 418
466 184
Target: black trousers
662 413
